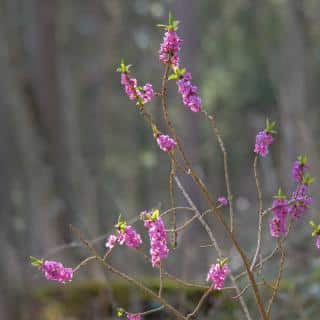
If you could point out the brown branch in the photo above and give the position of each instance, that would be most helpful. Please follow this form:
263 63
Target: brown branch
188 222
225 165
201 301
174 214
160 279
147 312
260 199
277 285
84 262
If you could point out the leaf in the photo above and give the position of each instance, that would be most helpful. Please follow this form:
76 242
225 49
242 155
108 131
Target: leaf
280 194
120 312
161 26
170 20
155 214
173 76
36 262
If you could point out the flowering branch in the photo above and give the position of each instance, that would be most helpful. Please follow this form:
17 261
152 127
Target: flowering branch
126 277
284 212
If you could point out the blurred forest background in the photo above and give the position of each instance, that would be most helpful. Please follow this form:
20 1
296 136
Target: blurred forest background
74 149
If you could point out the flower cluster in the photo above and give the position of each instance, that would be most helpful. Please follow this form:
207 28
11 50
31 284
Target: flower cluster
171 44
298 204
129 237
131 316
55 271
277 227
166 143
126 235
223 201
318 242
112 240
189 92
299 168
264 139
140 94
280 210
130 85
218 273
158 236
301 201
170 47
144 94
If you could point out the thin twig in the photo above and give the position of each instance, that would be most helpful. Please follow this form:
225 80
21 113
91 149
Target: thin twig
174 214
145 313
84 262
225 165
172 277
188 222
270 255
166 212
201 301
107 254
87 243
260 199
277 284
160 279
183 282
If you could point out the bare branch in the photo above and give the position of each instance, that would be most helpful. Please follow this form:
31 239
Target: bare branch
259 237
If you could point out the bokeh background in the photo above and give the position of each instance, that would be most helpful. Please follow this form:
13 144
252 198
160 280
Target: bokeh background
74 149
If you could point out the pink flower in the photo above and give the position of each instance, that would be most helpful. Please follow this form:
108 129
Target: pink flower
166 143
263 140
280 208
298 171
146 93
318 241
129 237
217 275
131 316
132 90
223 201
158 237
130 86
189 92
111 241
302 201
277 227
55 271
170 47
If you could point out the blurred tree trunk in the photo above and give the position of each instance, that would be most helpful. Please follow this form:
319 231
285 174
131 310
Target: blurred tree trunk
27 220
291 72
294 85
56 105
